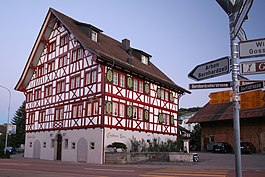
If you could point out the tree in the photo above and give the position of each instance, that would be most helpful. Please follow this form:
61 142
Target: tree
195 141
19 120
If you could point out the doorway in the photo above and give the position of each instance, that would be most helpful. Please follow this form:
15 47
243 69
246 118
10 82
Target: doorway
59 147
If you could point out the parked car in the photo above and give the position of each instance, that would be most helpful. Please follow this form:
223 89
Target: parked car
209 146
222 147
10 150
247 148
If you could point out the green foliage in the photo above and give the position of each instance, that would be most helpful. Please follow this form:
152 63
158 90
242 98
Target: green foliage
19 120
195 141
183 111
117 145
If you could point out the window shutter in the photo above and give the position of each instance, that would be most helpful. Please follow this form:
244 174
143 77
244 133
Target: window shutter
160 118
172 122
129 82
108 105
109 75
129 110
146 88
146 115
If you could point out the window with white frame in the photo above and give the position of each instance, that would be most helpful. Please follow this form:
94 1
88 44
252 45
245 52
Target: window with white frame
94 76
122 80
94 36
135 84
141 86
59 113
122 110
135 113
140 113
62 61
144 59
77 110
115 109
115 78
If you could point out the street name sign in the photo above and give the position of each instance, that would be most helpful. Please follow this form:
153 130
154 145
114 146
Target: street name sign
249 87
210 85
252 48
252 67
241 16
210 69
221 97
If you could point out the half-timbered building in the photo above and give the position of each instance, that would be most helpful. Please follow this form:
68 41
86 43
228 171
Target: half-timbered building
85 90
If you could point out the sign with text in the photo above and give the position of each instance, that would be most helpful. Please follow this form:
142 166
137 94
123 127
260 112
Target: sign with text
252 67
251 100
252 48
210 85
249 87
221 97
210 69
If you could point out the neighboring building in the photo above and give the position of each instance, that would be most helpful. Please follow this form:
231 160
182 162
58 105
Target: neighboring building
85 90
183 121
216 122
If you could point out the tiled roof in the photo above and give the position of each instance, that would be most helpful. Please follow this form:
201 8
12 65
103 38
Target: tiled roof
110 49
217 112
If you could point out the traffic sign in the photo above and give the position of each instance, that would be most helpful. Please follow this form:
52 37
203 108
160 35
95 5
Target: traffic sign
252 48
251 100
252 67
246 82
249 87
210 69
221 97
241 35
241 16
210 85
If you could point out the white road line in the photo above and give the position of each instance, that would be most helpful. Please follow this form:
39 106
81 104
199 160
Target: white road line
114 170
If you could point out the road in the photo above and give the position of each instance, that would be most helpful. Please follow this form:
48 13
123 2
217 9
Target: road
210 165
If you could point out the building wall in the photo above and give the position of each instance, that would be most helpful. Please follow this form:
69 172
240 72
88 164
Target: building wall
252 130
48 145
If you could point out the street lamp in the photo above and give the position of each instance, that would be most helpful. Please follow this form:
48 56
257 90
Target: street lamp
8 113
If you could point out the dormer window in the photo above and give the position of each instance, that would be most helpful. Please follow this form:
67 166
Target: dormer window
94 36
144 60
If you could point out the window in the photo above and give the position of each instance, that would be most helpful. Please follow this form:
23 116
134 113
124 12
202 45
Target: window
144 60
166 119
122 80
89 109
122 110
29 96
75 82
94 76
40 70
42 115
141 86
140 113
51 66
87 78
135 85
66 144
92 145
115 78
48 90
31 118
63 61
166 95
64 40
162 94
115 109
94 36
44 144
60 86
59 113
95 108
37 94
77 54
52 47
77 111
73 146
135 116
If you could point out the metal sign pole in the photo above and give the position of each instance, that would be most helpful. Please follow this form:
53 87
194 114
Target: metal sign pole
235 81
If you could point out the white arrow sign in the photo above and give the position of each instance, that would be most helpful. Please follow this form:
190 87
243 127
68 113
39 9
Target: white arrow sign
241 16
252 48
210 69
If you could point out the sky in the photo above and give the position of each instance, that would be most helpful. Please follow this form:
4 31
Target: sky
179 34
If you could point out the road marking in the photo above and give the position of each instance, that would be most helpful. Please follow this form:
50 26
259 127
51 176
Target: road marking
105 169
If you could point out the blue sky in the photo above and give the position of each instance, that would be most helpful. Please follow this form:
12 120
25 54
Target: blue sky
179 34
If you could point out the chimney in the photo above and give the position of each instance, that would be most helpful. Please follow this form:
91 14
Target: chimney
125 44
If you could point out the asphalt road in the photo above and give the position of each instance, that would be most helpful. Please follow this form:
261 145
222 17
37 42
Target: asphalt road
210 165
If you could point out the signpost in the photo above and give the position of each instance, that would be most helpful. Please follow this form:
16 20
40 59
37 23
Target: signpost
249 87
241 17
221 97
252 48
252 67
210 85
251 100
210 69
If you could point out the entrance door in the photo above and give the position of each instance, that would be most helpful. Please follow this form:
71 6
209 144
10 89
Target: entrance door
36 149
59 147
82 150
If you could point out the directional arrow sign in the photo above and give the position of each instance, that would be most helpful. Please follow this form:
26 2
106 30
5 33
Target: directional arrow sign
252 67
241 16
249 87
253 99
252 48
210 85
210 69
220 97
